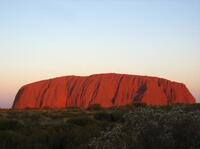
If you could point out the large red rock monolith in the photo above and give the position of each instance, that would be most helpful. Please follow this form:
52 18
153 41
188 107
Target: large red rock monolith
107 90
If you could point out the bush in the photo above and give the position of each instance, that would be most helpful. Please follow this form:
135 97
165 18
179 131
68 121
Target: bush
95 107
154 128
81 121
10 139
6 124
110 116
137 104
170 127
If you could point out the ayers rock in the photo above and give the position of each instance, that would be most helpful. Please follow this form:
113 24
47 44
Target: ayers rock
107 90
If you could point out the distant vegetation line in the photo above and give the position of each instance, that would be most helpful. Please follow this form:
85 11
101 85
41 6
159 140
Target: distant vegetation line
129 127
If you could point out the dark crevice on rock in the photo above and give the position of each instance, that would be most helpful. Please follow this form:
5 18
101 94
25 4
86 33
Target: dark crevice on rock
140 93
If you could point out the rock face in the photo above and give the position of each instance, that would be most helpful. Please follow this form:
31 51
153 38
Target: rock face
107 90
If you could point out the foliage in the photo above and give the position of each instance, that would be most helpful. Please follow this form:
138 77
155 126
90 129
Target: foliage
136 126
110 116
154 128
7 124
95 107
82 121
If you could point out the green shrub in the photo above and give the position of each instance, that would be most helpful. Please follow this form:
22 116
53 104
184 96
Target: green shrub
141 127
6 124
81 121
154 128
10 139
111 116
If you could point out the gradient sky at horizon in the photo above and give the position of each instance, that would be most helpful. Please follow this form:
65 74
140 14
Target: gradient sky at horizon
41 39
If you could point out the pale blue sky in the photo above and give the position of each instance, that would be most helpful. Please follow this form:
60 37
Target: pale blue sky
40 39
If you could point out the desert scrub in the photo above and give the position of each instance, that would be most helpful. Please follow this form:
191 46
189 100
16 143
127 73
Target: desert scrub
110 116
154 128
7 124
141 127
82 121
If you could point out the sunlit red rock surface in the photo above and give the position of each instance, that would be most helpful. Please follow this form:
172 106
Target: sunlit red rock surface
108 90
